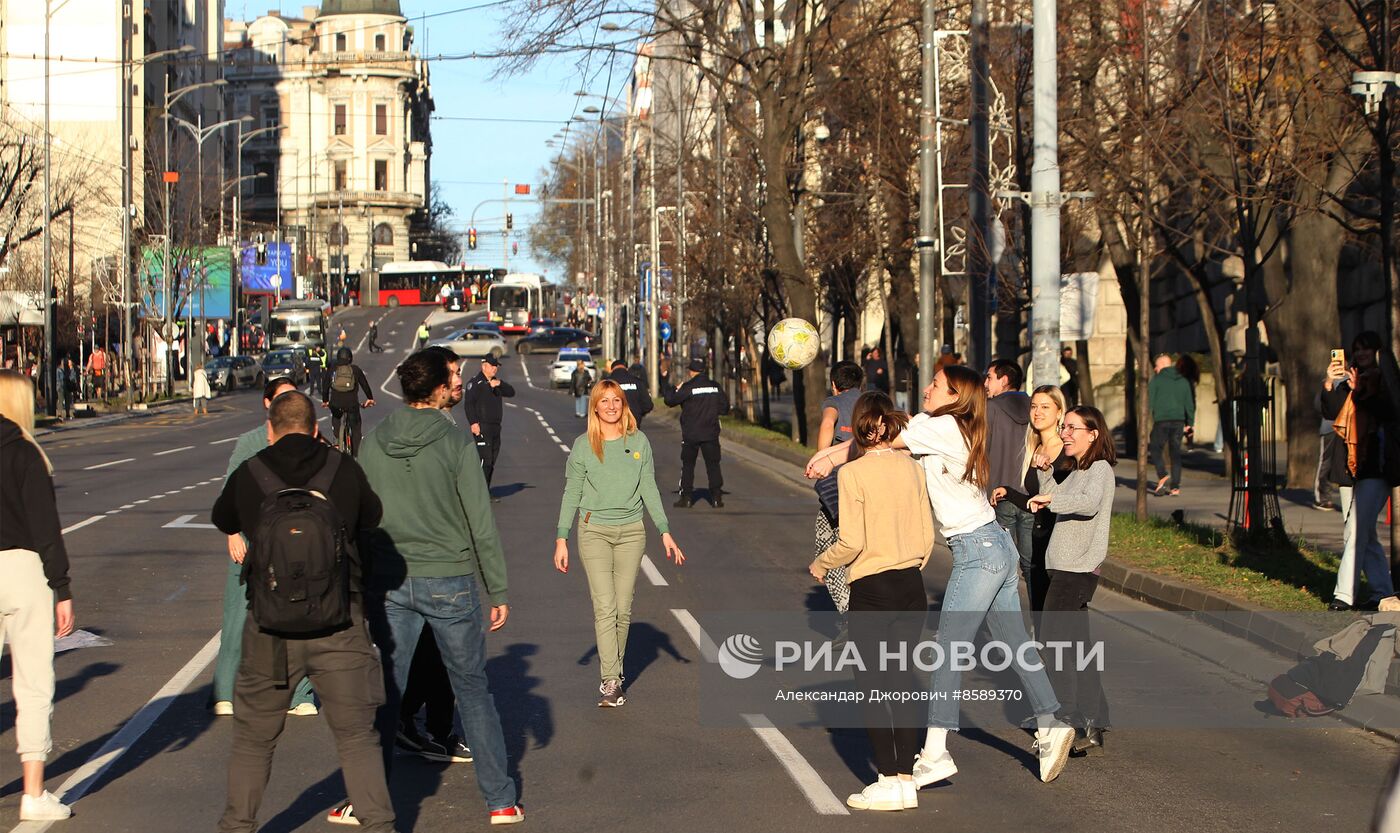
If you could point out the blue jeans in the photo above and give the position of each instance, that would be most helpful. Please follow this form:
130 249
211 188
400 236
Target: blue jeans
452 608
581 405
1361 547
984 581
1018 523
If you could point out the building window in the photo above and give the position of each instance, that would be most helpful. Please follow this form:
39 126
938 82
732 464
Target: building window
381 175
379 42
266 185
381 120
340 119
337 236
340 42
383 235
341 175
271 116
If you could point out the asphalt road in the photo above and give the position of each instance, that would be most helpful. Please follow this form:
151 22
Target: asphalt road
148 578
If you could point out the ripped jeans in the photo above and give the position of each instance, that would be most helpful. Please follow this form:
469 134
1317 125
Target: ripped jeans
452 607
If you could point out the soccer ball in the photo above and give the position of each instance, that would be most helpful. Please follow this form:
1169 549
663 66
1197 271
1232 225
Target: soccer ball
793 343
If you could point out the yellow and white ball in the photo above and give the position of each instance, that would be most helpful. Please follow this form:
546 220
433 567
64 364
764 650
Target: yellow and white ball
793 343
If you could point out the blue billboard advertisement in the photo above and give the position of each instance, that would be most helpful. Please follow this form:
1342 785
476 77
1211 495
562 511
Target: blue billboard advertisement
259 269
203 286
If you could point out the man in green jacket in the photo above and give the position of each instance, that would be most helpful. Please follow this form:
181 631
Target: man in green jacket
434 557
235 594
1173 404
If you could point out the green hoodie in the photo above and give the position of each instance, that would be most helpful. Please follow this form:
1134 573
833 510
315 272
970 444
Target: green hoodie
437 506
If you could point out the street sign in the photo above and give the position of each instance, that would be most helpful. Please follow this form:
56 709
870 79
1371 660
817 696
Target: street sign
276 281
665 331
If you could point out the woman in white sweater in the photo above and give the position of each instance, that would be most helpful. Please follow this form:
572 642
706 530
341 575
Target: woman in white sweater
1083 507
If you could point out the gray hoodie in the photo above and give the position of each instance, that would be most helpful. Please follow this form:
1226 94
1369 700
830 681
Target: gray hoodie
1008 424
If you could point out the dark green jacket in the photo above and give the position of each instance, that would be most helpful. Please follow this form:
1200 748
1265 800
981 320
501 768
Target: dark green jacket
437 508
1171 398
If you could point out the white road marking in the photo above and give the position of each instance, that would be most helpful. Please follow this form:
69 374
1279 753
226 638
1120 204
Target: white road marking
525 368
173 450
80 524
224 440
187 522
653 574
697 634
109 463
128 506
387 379
91 772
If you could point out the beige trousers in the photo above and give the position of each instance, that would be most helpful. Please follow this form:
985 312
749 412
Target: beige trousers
27 625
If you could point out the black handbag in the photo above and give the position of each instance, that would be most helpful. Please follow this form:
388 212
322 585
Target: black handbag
829 497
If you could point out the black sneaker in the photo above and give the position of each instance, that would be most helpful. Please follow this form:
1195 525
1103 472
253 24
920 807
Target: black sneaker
683 502
408 739
719 499
449 750
1338 605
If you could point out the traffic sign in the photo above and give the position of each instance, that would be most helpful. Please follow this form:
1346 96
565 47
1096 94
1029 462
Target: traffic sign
665 331
276 281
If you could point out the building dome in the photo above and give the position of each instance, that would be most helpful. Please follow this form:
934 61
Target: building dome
389 7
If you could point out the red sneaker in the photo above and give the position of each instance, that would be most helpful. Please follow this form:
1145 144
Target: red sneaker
510 815
344 814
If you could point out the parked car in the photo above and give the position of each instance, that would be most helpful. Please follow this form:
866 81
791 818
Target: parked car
455 301
488 326
539 325
471 343
566 361
555 337
291 363
231 372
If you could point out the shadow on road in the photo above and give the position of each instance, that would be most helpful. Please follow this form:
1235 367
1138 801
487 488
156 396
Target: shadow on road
509 489
525 715
645 645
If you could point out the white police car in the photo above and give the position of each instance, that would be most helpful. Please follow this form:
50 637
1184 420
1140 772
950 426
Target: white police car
563 367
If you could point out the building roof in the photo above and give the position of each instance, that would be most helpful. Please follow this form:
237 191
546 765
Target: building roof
330 7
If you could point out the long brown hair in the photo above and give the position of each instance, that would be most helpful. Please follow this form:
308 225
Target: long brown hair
874 420
970 411
595 425
1102 447
17 405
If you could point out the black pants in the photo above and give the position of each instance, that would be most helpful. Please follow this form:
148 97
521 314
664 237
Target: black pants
1037 578
488 445
890 608
1067 619
372 347
1166 441
710 449
353 428
428 685
345 669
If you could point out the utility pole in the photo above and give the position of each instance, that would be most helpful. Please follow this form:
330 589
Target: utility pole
927 240
981 271
124 261
650 350
48 362
166 308
1045 199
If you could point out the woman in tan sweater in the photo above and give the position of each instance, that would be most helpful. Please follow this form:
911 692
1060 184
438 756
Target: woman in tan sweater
886 536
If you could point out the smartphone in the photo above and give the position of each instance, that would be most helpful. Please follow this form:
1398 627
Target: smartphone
1339 355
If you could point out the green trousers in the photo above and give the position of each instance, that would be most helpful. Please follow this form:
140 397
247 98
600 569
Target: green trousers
231 641
611 556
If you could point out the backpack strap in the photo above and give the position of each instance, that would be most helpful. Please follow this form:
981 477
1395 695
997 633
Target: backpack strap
326 476
263 475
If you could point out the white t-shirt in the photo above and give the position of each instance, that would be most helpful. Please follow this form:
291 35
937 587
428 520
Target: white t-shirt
958 506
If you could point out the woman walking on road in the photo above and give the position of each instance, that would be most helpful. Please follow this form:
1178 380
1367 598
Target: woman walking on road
1083 505
200 392
610 478
35 600
885 538
950 439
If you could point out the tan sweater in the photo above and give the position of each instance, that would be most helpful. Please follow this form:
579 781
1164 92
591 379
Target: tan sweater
886 522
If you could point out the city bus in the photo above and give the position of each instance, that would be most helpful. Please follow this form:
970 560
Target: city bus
518 297
299 323
416 282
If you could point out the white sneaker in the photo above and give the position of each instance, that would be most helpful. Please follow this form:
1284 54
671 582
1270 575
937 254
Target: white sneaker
1051 748
43 807
933 771
884 794
304 710
909 792
223 708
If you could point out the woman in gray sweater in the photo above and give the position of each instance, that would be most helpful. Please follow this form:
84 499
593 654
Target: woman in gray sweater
1083 507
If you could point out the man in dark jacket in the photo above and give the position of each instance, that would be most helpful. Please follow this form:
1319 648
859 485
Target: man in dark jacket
1008 427
580 382
634 390
481 399
1173 407
702 403
340 391
344 666
877 371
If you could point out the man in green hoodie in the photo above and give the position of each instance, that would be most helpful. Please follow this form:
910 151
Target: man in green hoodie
1173 405
434 555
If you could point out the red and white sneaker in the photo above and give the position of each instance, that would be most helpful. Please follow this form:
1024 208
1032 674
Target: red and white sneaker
510 815
344 814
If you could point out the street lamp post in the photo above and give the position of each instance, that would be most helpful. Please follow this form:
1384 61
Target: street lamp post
243 139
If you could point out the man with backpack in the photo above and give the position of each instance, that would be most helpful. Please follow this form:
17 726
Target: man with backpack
634 390
340 391
302 506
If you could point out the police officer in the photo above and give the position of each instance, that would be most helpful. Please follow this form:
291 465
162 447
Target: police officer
702 403
316 367
634 390
482 401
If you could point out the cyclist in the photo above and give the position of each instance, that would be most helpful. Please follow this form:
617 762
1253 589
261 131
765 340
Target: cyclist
340 392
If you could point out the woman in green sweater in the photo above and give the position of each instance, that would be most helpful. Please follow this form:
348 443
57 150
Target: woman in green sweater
610 478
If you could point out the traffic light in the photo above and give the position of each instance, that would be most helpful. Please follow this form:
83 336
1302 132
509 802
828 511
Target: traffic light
515 248
471 238
510 221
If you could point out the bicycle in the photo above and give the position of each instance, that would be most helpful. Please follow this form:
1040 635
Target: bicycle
344 441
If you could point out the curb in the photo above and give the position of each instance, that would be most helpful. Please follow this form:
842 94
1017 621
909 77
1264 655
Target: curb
109 419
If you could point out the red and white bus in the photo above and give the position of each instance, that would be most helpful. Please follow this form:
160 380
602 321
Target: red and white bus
518 297
416 282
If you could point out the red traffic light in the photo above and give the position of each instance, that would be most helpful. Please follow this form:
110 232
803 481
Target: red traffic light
471 238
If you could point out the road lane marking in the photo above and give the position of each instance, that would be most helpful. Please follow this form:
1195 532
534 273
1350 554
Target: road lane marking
187 522
813 788
173 450
86 776
224 440
109 463
80 524
653 574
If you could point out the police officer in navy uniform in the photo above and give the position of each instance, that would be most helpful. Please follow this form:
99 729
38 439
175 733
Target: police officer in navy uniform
482 401
702 403
634 390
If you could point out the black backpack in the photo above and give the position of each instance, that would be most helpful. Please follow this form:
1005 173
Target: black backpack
298 564
344 379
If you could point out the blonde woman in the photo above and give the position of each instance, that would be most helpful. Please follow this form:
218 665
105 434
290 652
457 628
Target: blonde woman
35 601
1045 451
610 479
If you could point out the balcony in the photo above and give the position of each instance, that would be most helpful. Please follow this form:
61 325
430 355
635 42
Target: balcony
403 62
393 199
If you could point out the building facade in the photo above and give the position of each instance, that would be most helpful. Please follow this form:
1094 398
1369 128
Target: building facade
342 169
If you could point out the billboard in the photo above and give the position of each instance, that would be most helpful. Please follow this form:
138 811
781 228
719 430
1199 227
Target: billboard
259 272
203 287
